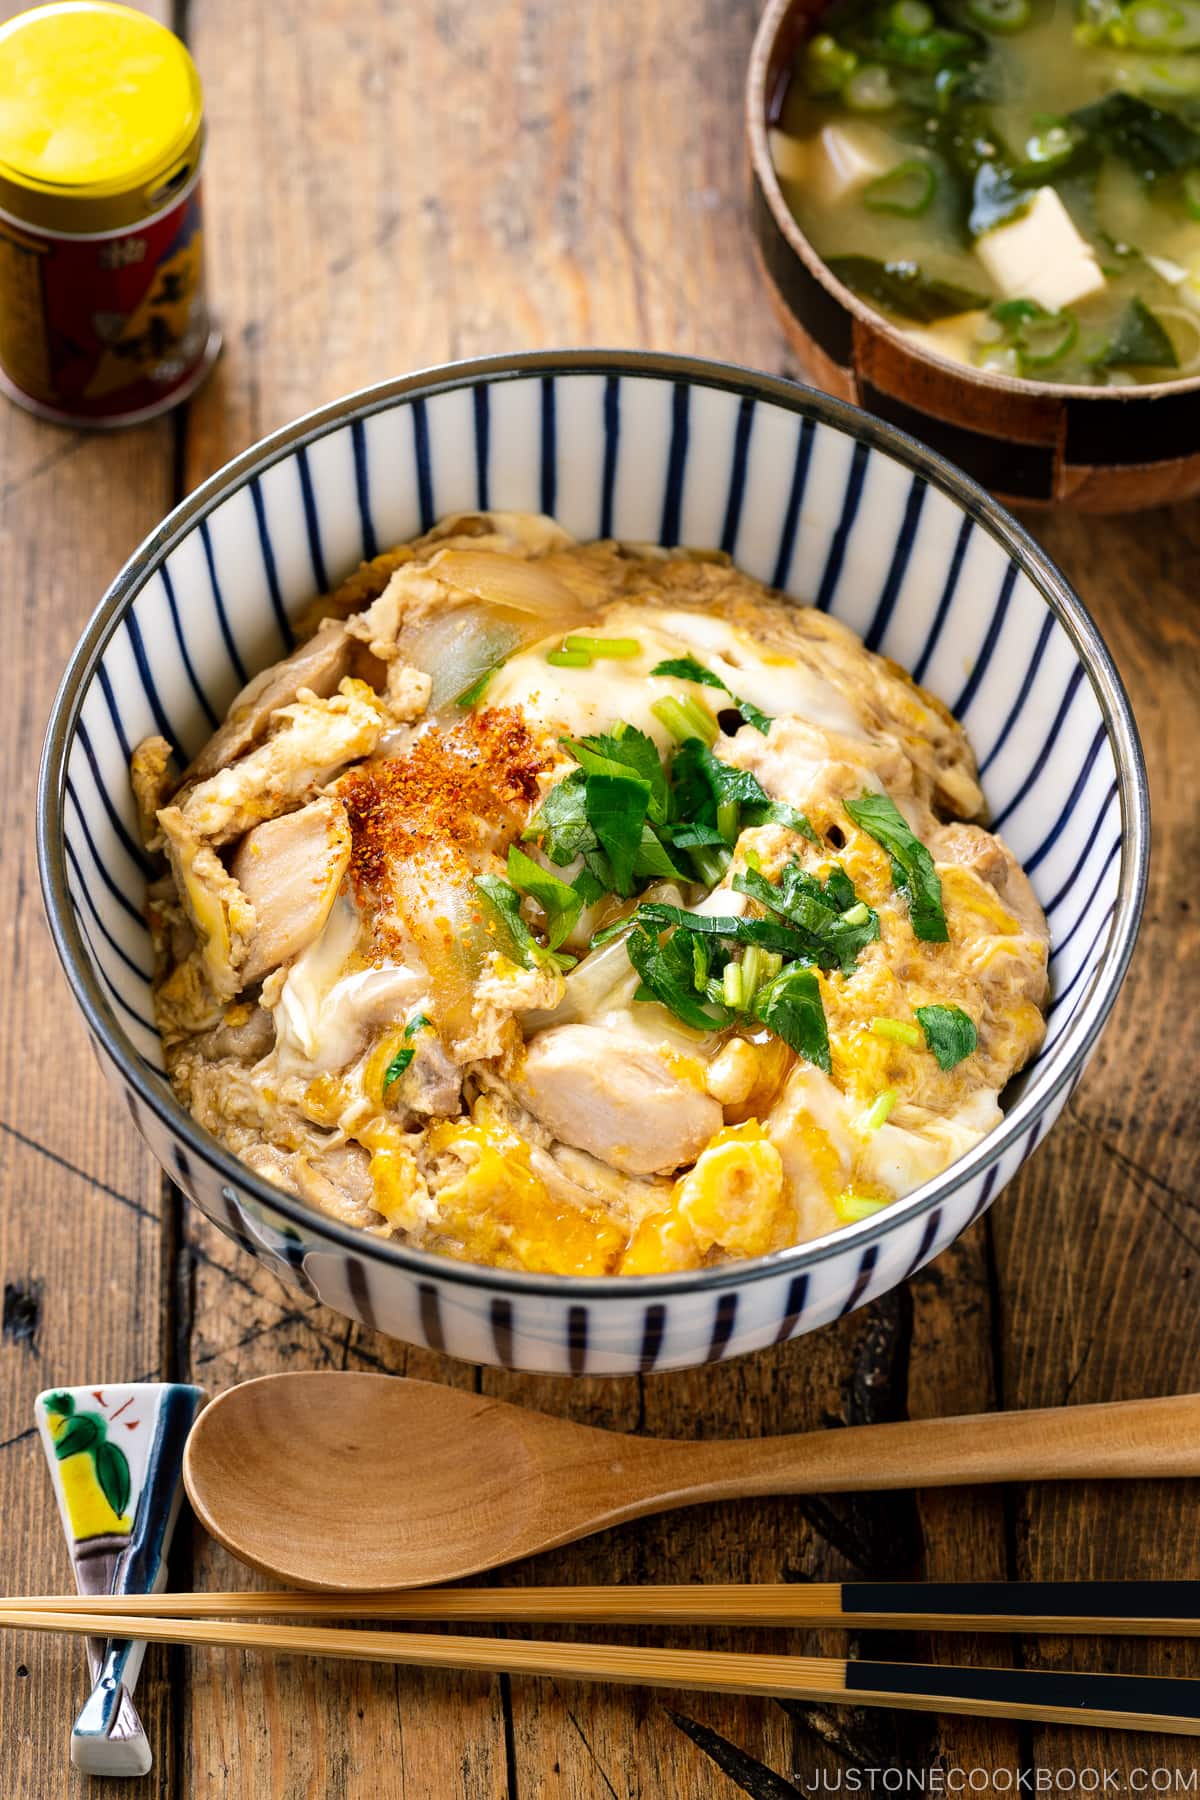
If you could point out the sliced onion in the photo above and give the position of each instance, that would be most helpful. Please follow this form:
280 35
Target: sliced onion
440 909
458 646
509 582
603 979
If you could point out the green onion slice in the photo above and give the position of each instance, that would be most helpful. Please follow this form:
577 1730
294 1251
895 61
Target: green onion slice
869 89
569 659
619 647
880 1109
906 190
898 1030
685 719
1000 15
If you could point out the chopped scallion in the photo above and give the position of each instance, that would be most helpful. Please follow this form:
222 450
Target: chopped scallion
729 815
858 914
879 1111
898 1030
620 647
827 66
753 973
710 863
569 659
685 719
1000 15
851 1207
907 190
869 89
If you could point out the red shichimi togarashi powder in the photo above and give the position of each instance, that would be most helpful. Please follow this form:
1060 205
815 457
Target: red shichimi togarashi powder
436 803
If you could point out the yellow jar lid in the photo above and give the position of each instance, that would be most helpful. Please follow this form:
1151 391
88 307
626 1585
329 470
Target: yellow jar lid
95 99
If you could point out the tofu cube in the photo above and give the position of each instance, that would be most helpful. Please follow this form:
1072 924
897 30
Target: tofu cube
789 155
1041 256
843 158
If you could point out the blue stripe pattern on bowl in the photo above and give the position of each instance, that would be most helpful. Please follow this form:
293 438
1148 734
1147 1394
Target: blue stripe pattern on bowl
803 493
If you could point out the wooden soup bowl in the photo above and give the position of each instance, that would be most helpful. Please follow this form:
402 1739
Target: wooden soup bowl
1031 443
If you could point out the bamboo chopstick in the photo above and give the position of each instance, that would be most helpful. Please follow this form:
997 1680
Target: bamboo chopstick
1128 1702
1122 1608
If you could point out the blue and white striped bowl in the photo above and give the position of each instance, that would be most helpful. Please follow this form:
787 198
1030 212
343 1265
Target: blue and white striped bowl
819 499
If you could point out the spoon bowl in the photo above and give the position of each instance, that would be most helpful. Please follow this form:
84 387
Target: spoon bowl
371 1482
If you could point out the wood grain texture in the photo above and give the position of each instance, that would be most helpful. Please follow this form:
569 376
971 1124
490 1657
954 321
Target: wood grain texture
392 183
81 1237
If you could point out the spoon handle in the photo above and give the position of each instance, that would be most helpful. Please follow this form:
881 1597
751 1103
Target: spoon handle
1121 1439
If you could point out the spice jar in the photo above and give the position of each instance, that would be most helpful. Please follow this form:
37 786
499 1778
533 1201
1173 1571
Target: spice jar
103 316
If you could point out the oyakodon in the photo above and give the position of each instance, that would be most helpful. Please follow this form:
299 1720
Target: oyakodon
586 909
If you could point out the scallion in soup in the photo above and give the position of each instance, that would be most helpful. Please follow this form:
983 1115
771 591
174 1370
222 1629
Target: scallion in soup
1014 183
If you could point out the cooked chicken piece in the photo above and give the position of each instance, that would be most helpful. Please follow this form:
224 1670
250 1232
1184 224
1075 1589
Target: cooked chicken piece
150 777
991 859
432 1083
317 665
311 740
245 1034
815 770
290 869
337 1180
616 1098
223 918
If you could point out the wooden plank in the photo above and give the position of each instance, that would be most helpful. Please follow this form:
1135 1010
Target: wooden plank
80 1196
392 189
1099 1247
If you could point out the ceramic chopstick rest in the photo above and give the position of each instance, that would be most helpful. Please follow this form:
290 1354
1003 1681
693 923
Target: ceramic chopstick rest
116 1460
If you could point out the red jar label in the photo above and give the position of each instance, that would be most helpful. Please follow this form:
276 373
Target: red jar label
103 329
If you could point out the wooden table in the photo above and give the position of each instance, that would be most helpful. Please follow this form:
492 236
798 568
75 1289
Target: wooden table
392 185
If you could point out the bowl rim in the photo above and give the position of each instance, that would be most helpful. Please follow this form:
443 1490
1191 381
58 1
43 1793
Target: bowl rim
774 20
1069 1054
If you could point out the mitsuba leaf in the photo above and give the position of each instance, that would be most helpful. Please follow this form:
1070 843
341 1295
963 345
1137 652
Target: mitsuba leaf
815 909
686 668
790 1006
949 1032
668 973
701 782
616 811
507 903
625 748
561 902
912 866
561 822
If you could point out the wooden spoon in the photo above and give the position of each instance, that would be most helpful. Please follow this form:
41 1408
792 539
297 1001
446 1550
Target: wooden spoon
348 1481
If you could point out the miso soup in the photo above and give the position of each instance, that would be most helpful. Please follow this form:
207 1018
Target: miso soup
1015 184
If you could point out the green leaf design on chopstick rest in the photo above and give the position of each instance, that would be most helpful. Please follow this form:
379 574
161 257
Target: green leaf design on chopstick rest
86 1434
112 1473
83 1433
